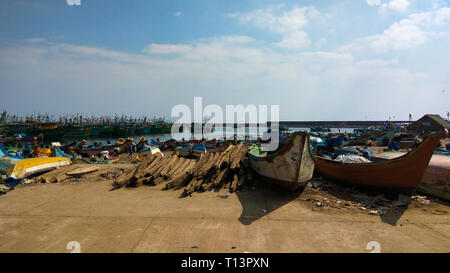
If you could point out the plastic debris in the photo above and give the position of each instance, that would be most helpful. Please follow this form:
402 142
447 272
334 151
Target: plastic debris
439 212
349 158
420 199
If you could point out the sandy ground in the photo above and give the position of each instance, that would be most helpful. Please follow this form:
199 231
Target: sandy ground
262 218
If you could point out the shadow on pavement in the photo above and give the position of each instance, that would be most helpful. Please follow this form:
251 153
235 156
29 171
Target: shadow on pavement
391 217
260 199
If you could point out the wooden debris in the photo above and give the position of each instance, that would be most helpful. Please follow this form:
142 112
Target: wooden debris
55 175
211 170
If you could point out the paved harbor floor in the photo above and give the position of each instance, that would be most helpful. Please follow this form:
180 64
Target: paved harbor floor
46 217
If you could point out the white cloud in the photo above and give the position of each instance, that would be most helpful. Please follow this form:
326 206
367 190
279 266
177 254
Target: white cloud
289 23
177 13
64 75
167 49
236 39
398 36
373 2
397 5
294 40
417 29
321 42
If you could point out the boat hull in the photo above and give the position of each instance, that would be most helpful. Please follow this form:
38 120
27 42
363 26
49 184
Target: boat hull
291 167
436 179
26 167
401 174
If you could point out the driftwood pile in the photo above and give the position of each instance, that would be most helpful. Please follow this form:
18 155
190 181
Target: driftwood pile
212 170
57 175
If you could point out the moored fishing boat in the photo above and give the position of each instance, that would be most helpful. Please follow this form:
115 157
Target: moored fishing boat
195 150
6 159
42 152
106 159
402 174
120 132
26 167
106 131
291 166
57 152
436 179
77 132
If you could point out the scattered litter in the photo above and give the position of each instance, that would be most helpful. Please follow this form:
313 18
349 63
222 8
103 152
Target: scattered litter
28 181
373 212
421 199
4 189
439 212
112 174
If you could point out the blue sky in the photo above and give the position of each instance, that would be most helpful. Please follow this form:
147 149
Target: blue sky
318 60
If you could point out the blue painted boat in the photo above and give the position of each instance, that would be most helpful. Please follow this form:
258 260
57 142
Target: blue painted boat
57 152
7 159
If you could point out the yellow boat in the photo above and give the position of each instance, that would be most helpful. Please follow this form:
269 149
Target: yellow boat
26 167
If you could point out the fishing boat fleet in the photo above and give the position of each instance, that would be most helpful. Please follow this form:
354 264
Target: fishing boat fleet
48 128
384 160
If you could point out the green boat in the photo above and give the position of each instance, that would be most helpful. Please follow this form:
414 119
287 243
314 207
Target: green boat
53 134
94 131
106 131
120 132
76 132
131 131
145 130
160 129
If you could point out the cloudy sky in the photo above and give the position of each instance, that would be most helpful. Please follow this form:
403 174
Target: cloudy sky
318 60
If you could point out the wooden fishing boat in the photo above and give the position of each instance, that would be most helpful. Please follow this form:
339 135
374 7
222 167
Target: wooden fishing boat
57 152
26 167
76 132
94 131
86 152
106 131
154 150
436 179
195 150
42 152
402 174
291 166
6 159
120 132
